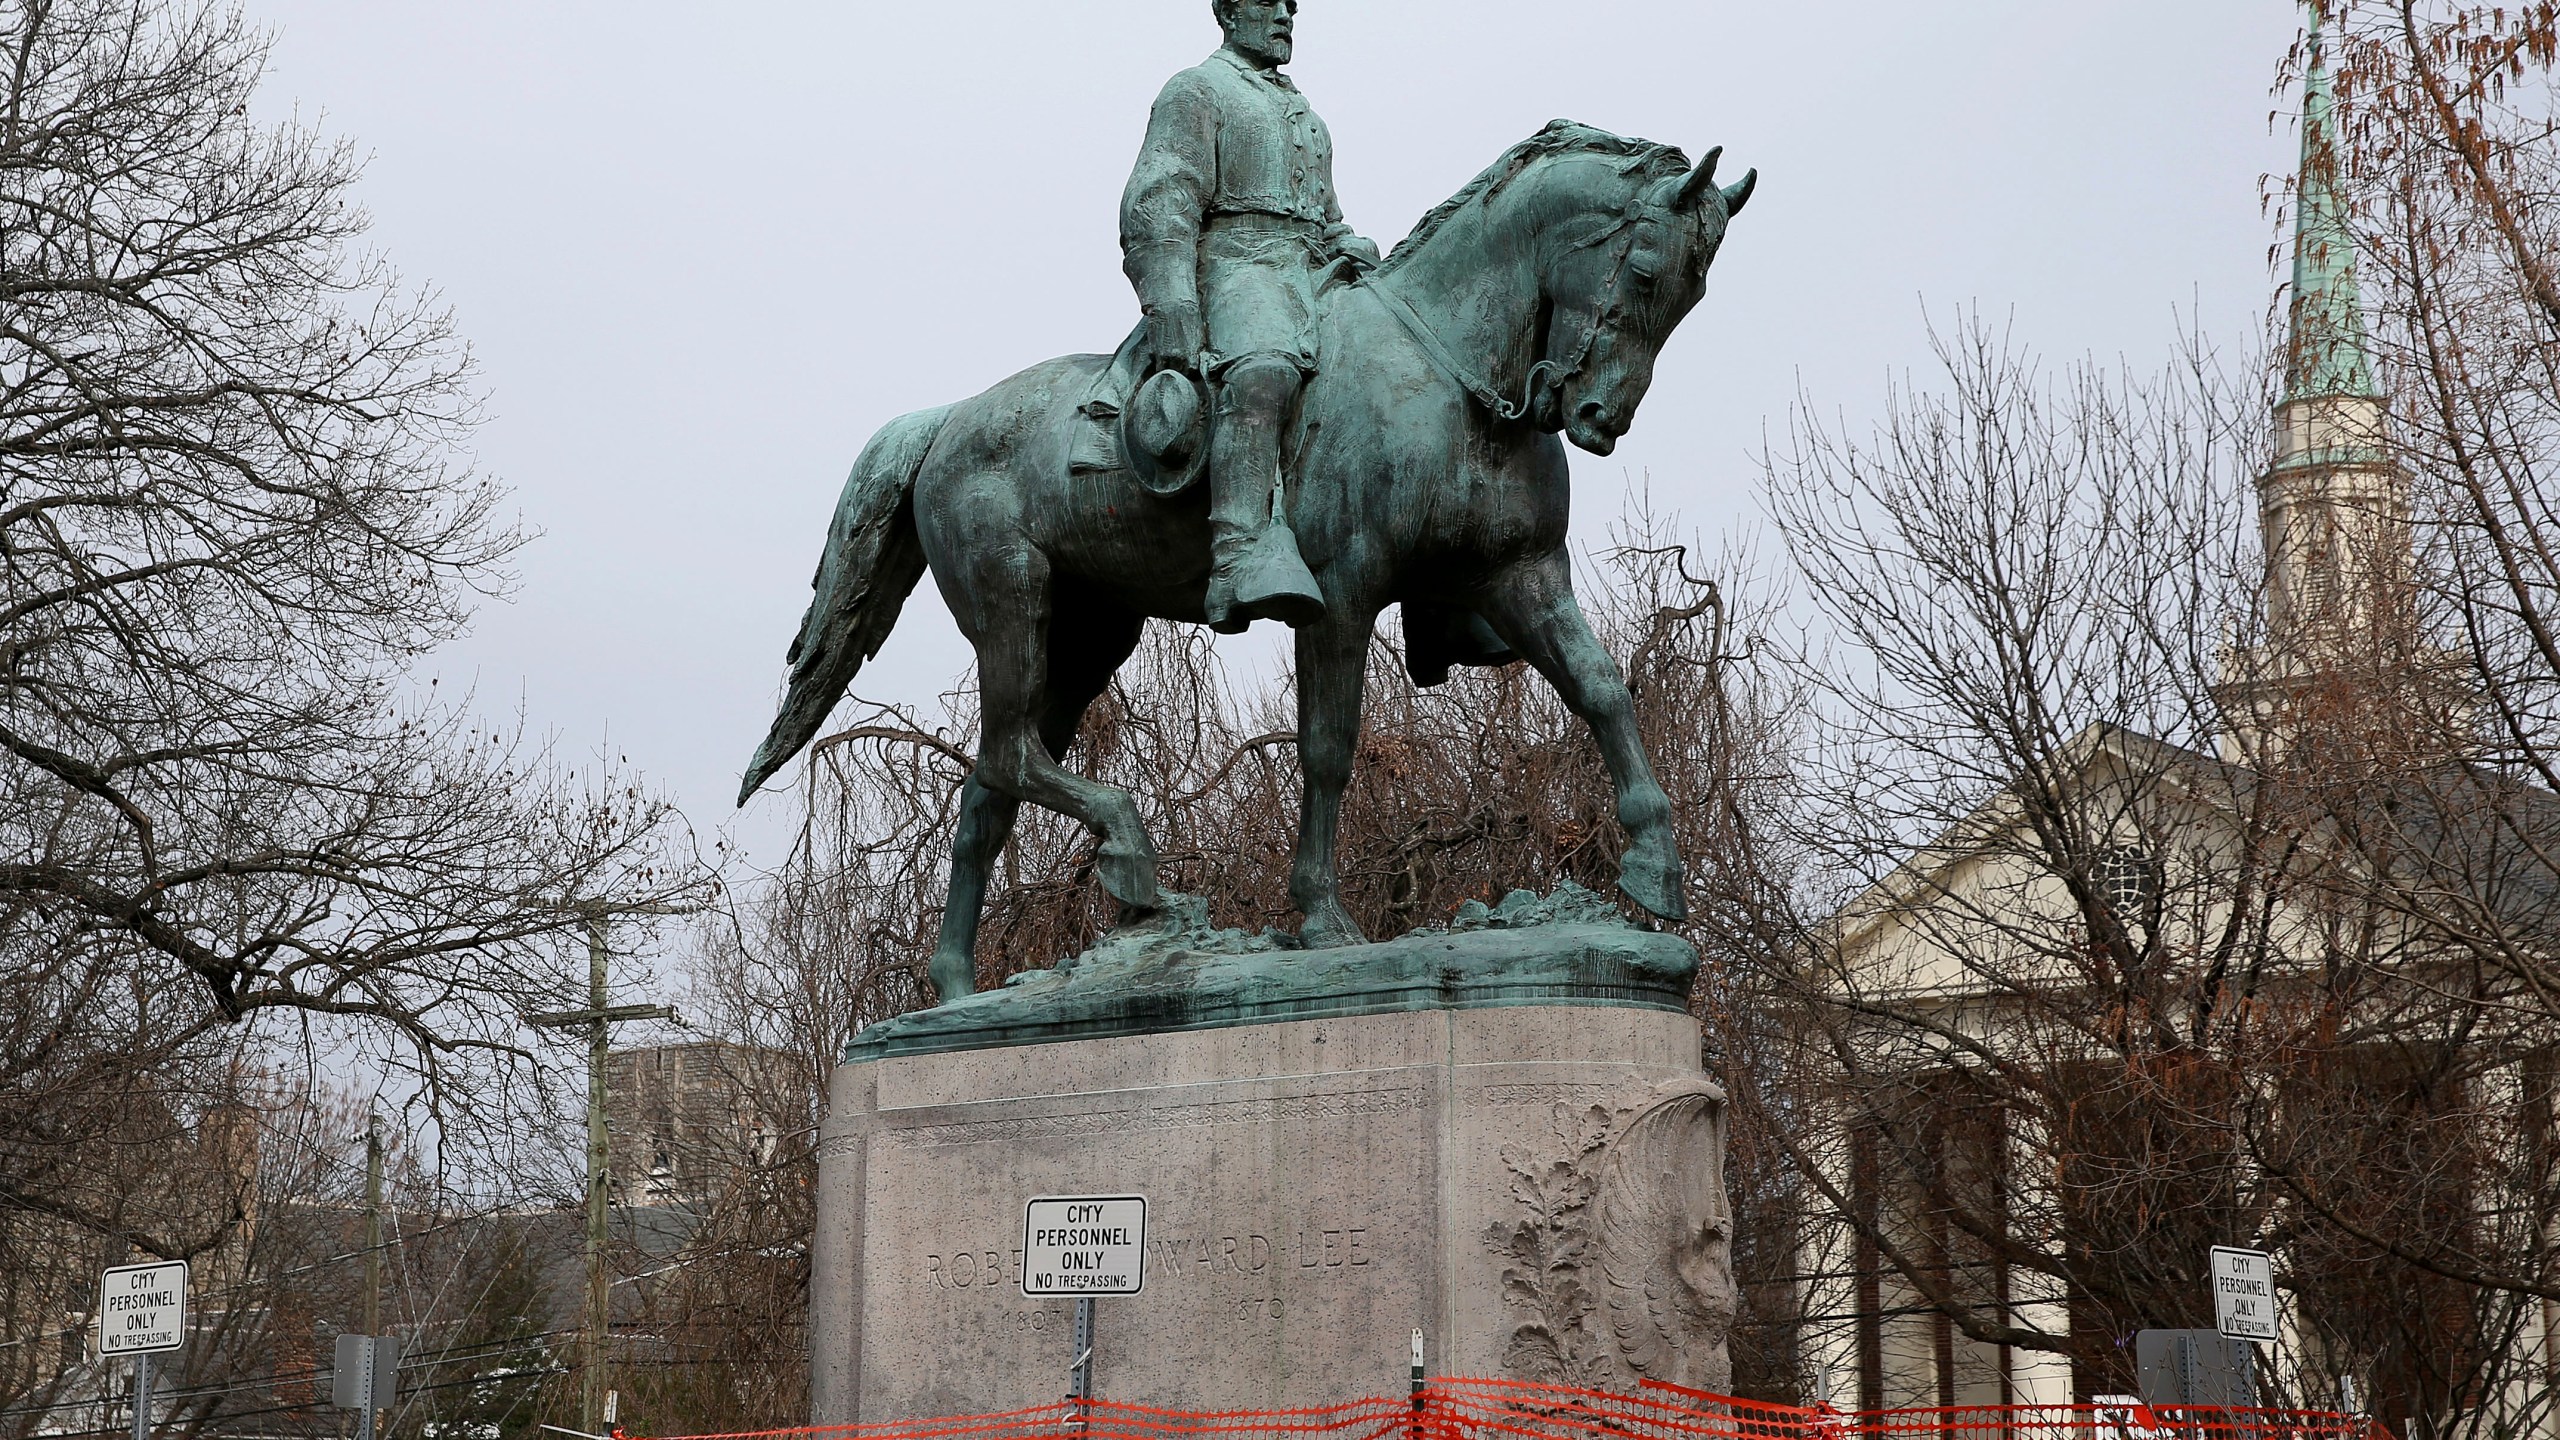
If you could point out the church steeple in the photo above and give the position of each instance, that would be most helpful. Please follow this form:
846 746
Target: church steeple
2332 508
2326 355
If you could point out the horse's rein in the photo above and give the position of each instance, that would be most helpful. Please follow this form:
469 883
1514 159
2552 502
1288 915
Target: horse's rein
1482 390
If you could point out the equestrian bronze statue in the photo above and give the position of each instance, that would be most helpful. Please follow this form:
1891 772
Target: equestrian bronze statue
1405 415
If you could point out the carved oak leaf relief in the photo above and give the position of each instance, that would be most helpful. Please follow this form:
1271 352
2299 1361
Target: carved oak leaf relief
1620 1247
1546 1249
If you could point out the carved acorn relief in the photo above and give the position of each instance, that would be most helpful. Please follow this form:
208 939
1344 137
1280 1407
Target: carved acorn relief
1617 1251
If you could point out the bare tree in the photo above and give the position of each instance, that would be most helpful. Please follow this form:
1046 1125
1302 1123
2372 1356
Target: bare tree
2449 167
2103 976
233 515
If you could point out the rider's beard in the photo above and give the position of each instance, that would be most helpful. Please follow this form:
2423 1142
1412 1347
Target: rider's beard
1262 48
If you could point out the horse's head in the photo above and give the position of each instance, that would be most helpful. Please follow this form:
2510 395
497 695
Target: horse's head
1613 292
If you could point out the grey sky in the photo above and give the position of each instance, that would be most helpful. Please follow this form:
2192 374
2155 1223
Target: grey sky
704 251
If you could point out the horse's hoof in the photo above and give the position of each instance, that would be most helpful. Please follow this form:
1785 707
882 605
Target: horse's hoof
1330 927
1657 885
1130 878
955 977
1145 920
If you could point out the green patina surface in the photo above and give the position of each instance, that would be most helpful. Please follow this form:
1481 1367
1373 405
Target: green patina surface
2328 349
1412 413
1570 948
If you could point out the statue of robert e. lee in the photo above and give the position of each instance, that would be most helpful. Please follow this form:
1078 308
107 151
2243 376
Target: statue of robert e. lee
1426 468
1228 229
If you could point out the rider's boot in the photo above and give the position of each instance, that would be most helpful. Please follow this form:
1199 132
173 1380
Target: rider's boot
1258 575
1255 570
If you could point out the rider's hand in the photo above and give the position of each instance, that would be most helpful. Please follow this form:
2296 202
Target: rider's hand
1360 250
1175 338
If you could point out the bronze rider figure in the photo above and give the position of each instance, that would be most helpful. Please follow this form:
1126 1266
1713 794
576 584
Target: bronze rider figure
1228 228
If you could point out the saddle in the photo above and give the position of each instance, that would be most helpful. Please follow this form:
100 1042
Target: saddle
1157 430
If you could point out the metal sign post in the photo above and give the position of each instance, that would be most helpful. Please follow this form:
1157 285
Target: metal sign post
1084 1246
1080 1377
1414 1428
142 1312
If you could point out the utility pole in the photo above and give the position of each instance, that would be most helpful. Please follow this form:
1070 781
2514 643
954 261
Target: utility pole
372 1249
599 1017
373 1224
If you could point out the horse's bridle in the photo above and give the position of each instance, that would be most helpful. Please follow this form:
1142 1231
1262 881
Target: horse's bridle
1636 213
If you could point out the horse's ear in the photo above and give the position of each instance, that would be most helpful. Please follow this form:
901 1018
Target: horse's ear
1693 190
1738 194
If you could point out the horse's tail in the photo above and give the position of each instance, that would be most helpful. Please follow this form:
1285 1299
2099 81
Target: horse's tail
873 561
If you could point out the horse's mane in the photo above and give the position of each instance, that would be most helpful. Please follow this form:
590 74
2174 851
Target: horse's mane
1560 137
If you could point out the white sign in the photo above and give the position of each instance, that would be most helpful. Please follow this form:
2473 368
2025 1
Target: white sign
2244 1293
2124 1417
142 1309
1084 1245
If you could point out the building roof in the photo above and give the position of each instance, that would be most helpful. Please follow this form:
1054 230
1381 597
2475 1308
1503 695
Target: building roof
2474 853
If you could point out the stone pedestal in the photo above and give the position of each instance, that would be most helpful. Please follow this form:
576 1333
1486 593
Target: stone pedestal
1537 1187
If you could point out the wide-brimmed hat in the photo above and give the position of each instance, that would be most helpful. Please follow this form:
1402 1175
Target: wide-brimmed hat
1166 432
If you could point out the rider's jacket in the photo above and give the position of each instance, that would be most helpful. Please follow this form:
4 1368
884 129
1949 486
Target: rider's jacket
1233 154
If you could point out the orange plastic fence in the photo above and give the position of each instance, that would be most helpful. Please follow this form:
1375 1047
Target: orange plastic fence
1519 1410
2107 1422
1455 1409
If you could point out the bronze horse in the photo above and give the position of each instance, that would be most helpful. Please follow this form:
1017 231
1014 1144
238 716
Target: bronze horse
1417 478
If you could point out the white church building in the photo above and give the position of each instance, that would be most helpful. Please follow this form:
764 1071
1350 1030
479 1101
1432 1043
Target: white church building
1932 1203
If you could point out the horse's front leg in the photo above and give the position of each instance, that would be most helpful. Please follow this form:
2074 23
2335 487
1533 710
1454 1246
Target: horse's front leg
1333 657
1532 607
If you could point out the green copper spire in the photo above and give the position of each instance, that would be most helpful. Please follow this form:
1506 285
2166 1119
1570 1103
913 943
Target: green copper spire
2327 346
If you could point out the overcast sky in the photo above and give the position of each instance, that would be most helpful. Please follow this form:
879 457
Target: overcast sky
704 251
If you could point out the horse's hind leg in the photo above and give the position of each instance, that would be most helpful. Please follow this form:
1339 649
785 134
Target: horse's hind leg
1532 607
1077 673
1008 616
